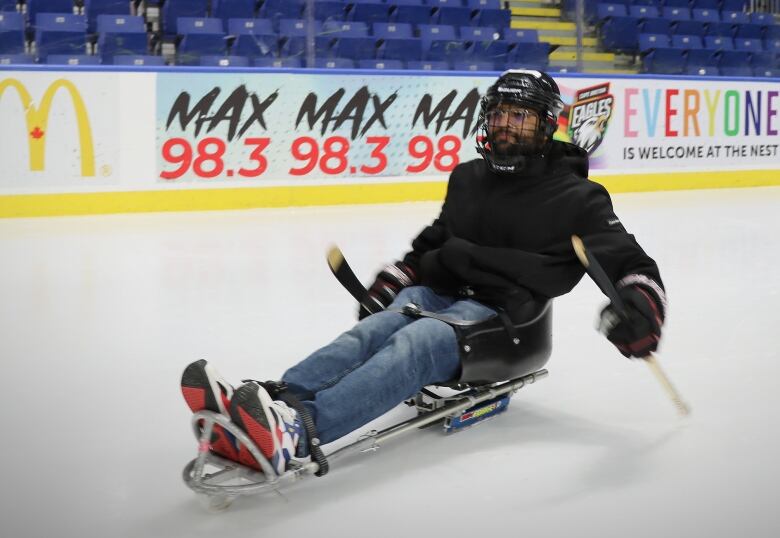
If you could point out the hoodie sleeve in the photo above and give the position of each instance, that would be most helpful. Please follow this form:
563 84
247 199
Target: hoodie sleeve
623 260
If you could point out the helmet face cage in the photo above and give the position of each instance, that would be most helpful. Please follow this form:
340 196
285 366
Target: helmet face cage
506 137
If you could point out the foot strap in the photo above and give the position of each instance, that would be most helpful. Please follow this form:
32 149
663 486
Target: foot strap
279 391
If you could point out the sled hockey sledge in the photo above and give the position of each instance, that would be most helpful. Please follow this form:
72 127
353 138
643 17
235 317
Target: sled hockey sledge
222 480
498 357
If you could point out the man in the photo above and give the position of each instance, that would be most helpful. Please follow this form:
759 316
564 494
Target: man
501 242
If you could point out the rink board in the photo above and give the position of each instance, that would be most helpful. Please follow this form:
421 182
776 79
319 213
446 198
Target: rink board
86 140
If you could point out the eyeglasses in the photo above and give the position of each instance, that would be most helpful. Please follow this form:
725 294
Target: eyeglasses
515 115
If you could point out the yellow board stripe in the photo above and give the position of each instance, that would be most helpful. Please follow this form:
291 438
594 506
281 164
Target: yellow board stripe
39 205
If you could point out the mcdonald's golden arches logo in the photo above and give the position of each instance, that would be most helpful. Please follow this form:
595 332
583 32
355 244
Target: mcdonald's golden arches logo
38 120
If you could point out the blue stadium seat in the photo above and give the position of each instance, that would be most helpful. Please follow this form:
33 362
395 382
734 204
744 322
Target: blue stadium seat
380 64
733 58
233 9
224 61
655 26
431 32
705 15
418 14
355 48
757 71
445 50
620 34
95 8
255 45
34 7
16 59
202 36
735 17
407 2
344 29
297 27
370 12
59 33
401 49
385 30
762 19
279 62
772 45
250 26
172 10
687 42
764 60
456 16
11 33
716 42
521 35
138 60
295 46
121 34
750 31
474 65
676 13
702 70
658 56
644 12
533 55
772 32
484 4
281 9
611 10
688 28
706 4
733 5
334 63
702 58
427 65
8 5
477 33
328 10
498 18
724 29
72 59
737 71
496 53
750 45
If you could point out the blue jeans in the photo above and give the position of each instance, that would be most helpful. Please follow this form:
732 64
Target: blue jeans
383 360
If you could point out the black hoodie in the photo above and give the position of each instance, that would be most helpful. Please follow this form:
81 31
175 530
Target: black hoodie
504 240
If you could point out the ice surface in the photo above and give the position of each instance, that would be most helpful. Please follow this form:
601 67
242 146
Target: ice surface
99 315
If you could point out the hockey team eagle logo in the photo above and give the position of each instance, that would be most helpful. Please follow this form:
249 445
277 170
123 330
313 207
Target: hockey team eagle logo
589 116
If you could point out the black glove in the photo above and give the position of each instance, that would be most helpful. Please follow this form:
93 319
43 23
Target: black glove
391 280
638 334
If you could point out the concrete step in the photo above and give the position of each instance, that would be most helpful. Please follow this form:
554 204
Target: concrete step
568 40
557 26
553 12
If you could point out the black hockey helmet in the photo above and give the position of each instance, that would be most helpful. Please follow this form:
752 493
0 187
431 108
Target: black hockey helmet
526 89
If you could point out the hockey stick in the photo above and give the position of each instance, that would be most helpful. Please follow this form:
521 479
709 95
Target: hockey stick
347 278
594 270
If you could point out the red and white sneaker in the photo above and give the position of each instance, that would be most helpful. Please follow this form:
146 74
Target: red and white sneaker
203 388
271 424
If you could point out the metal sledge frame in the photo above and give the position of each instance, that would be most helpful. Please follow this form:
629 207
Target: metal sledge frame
221 495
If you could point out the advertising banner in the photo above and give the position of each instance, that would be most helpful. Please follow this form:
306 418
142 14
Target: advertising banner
277 129
59 132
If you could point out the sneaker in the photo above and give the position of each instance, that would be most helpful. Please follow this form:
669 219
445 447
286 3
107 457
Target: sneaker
203 388
271 424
